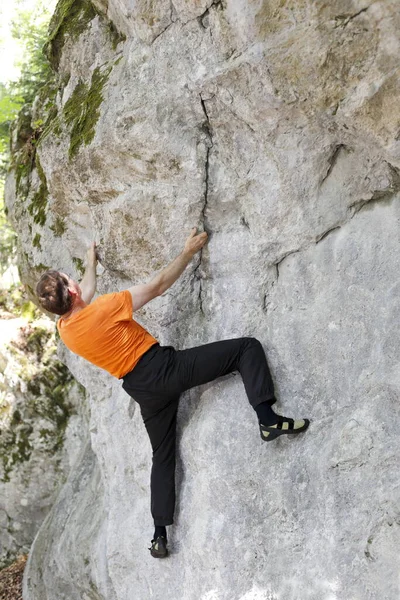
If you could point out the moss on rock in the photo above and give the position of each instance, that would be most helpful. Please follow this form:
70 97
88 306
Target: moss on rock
45 103
37 207
22 150
80 267
36 241
116 36
71 18
44 386
30 131
22 171
59 227
81 111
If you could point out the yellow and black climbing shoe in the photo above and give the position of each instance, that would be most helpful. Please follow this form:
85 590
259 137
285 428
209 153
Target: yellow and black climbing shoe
159 547
284 426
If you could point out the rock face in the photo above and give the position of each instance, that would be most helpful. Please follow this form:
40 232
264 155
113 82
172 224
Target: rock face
275 126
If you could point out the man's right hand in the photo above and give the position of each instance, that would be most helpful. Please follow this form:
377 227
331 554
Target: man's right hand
141 294
195 242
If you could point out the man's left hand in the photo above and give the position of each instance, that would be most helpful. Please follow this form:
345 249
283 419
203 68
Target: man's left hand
91 255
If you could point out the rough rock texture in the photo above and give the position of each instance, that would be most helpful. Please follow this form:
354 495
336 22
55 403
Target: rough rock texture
42 426
275 126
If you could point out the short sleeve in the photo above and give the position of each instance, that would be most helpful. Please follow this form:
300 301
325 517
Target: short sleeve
125 305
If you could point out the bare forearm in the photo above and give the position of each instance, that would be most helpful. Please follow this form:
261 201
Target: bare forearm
88 283
141 294
172 272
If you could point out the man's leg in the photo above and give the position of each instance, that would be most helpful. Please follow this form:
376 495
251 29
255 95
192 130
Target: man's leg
202 364
158 406
161 428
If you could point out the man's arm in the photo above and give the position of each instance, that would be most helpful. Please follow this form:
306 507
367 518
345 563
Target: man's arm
141 294
88 283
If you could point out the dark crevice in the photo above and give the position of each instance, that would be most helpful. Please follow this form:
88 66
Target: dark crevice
395 173
267 296
344 20
162 32
206 129
375 198
173 14
332 160
202 19
206 124
244 222
279 262
324 235
380 195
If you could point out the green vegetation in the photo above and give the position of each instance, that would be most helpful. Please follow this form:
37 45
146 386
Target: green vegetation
71 17
36 241
59 227
14 301
43 39
42 383
37 207
116 37
7 237
30 28
82 112
10 104
79 264
15 446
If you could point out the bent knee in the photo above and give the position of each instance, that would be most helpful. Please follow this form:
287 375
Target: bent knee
252 341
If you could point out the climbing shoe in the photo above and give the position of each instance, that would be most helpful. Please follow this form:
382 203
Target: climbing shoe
284 426
159 547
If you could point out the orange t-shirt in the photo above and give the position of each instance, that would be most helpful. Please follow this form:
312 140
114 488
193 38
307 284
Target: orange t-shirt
105 334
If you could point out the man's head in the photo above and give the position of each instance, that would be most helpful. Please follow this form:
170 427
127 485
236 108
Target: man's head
57 292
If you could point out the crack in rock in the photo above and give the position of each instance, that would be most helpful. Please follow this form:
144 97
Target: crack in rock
332 160
173 14
267 295
344 20
278 263
326 233
206 129
244 222
162 32
378 196
202 19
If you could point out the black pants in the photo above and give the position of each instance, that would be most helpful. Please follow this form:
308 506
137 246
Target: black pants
160 377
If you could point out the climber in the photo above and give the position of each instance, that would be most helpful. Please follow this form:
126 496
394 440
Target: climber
104 333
